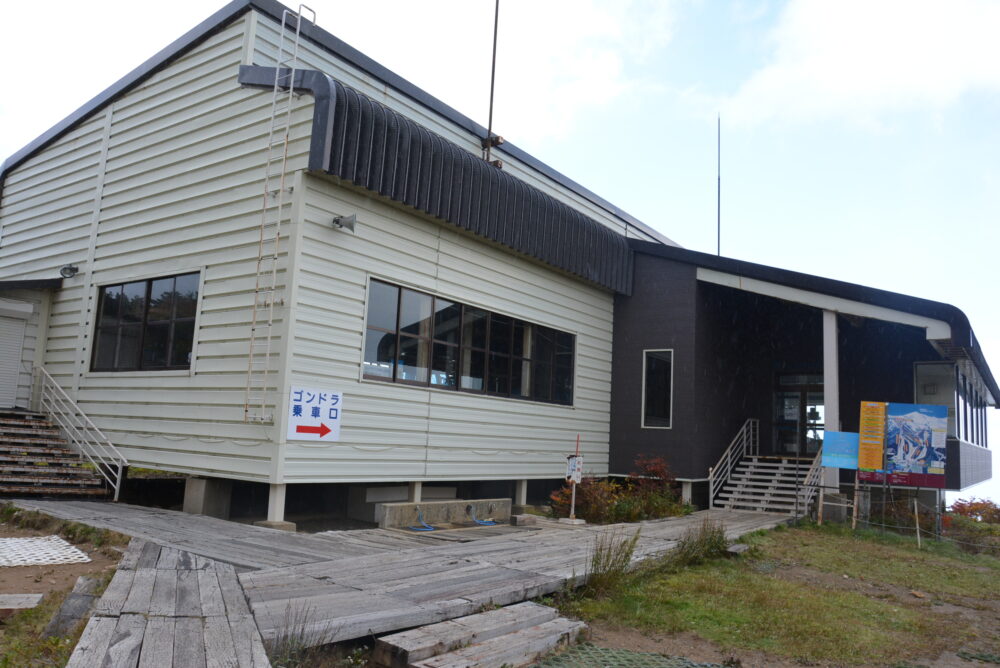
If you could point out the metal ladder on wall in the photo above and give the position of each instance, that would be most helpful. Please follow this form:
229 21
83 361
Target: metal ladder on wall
273 208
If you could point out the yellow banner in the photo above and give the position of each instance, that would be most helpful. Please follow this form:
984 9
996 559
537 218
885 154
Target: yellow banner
871 437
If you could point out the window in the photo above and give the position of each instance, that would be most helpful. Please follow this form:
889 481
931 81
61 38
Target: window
657 389
146 324
417 339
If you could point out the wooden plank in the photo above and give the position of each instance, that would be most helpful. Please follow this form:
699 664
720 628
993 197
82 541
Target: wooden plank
131 555
158 643
168 559
516 649
232 594
401 649
126 642
141 593
114 596
150 555
19 601
93 644
189 642
188 603
212 603
220 652
163 601
249 647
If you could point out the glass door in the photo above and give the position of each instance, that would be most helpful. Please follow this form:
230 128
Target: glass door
798 415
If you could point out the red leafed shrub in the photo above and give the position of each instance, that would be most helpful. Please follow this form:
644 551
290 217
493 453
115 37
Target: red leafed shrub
981 510
649 493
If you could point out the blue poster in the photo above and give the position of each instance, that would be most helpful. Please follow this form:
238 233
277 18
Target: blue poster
915 444
840 450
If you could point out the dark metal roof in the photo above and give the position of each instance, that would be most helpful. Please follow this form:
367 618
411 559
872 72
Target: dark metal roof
365 143
339 48
32 284
963 341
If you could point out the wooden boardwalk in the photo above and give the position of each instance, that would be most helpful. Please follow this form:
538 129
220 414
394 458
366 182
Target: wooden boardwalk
166 607
335 585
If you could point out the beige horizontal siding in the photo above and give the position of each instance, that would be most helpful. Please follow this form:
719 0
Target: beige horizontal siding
407 433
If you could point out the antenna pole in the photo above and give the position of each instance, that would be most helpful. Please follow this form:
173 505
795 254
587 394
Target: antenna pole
493 78
718 184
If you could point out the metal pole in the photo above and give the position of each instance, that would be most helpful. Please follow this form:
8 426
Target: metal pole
916 519
493 78
718 184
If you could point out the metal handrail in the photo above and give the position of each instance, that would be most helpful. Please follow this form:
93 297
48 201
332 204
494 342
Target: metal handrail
746 442
82 434
812 481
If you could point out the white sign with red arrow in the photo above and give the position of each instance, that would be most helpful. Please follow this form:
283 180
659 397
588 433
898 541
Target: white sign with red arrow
314 415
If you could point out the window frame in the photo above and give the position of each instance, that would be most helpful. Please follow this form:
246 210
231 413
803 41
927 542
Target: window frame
642 404
462 349
144 324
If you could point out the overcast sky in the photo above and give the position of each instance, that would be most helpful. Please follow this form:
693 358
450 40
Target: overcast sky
859 138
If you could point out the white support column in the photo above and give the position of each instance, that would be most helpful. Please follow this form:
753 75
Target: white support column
686 495
831 389
276 509
521 493
276 503
414 491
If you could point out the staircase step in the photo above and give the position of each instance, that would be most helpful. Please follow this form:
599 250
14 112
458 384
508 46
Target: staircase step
51 449
31 458
400 650
48 490
759 493
47 469
48 480
764 486
519 648
44 430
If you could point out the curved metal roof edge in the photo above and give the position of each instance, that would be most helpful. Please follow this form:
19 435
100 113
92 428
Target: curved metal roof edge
339 48
961 328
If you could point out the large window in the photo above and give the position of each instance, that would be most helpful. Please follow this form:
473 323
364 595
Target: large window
146 324
418 339
657 389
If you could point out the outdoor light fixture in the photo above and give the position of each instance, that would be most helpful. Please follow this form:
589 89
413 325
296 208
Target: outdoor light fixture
346 222
69 270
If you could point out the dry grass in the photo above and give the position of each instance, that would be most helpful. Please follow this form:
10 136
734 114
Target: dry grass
748 604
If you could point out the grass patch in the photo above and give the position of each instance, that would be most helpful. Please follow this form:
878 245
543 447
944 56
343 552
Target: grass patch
938 568
747 604
21 641
74 532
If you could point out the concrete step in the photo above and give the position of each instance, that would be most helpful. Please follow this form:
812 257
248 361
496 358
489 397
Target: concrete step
764 481
29 468
519 648
400 650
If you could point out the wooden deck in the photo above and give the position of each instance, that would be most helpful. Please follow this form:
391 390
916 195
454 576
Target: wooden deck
166 607
334 585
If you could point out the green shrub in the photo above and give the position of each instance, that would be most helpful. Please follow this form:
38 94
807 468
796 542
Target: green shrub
610 561
700 544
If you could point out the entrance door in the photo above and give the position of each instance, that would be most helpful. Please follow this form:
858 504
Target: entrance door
798 415
11 340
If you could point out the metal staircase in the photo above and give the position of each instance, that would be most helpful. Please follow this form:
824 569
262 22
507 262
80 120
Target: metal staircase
274 208
745 480
769 484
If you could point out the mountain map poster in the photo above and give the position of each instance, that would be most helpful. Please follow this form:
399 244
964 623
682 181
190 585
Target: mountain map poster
915 444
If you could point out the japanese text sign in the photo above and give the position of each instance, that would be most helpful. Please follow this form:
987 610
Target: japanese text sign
314 415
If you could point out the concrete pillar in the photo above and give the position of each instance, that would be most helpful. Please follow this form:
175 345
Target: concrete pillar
521 493
276 509
414 491
831 391
208 496
686 491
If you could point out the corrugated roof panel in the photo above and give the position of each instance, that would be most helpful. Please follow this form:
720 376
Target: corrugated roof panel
381 150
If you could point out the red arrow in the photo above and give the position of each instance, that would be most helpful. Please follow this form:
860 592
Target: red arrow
322 430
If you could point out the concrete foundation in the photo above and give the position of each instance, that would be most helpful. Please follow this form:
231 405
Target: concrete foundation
363 499
208 496
441 512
